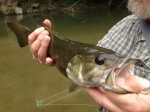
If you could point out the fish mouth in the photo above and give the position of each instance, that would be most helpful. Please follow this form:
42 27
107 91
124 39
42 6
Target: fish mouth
122 69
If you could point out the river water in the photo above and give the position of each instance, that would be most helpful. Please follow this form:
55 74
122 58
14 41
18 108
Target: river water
26 85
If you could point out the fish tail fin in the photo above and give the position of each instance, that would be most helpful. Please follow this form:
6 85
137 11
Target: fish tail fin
21 33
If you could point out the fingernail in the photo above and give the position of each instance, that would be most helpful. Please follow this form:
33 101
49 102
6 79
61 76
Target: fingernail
120 81
48 60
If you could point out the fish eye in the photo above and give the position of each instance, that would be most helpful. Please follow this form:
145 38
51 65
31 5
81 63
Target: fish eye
99 60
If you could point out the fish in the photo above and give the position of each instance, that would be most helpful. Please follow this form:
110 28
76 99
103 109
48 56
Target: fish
83 64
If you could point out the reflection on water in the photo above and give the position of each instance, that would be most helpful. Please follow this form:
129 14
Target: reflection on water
25 82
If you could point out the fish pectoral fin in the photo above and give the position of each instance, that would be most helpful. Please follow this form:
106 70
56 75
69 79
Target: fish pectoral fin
72 86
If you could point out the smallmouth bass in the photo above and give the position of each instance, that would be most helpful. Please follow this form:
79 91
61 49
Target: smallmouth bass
84 64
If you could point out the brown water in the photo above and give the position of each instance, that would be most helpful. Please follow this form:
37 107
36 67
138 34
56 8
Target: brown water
24 81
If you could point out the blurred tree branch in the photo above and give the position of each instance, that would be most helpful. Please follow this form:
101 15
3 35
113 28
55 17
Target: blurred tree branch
74 4
123 2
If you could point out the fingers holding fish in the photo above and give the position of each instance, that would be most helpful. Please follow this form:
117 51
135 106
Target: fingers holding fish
133 84
44 47
42 53
34 41
114 102
38 41
131 102
35 46
33 36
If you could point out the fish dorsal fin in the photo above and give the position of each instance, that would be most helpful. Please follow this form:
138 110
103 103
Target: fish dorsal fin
58 35
21 33
53 34
72 86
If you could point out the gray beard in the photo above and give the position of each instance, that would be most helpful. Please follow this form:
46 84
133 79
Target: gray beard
139 8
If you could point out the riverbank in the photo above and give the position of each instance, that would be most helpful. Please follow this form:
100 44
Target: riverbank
10 7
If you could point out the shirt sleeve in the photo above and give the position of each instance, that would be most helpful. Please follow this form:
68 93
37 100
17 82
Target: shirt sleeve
120 37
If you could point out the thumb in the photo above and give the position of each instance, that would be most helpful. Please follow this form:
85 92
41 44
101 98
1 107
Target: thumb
133 84
48 23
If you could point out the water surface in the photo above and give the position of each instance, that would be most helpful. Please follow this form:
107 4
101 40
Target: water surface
24 81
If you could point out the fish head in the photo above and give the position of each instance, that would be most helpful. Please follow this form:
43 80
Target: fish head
94 70
87 69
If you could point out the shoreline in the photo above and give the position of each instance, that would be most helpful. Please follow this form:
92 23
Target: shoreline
25 8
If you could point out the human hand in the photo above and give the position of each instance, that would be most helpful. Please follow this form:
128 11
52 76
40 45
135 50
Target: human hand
39 41
136 101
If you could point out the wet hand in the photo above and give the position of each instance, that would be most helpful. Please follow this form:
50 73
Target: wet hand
136 101
39 41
